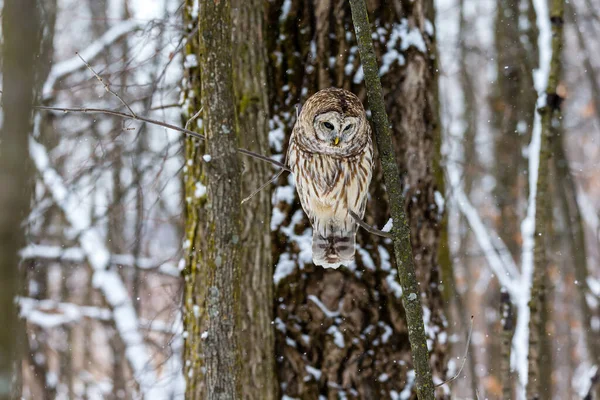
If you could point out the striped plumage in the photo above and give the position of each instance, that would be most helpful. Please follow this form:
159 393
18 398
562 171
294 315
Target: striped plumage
331 157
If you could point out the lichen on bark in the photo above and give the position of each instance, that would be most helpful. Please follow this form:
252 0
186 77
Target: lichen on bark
212 187
411 293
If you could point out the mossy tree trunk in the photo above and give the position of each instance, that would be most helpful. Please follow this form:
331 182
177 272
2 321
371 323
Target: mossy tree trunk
21 42
250 80
212 183
344 332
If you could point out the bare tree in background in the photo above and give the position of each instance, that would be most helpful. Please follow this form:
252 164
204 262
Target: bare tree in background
21 42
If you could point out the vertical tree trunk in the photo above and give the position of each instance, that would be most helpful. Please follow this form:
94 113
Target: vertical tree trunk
212 297
343 332
513 104
20 31
508 327
567 196
548 115
257 338
194 178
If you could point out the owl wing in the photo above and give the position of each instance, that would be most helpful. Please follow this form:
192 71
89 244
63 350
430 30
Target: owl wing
297 163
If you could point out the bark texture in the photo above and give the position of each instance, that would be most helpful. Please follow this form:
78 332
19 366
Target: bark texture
20 31
250 80
344 332
538 294
213 237
194 178
508 328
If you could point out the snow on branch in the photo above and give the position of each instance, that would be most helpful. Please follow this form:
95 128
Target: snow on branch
50 314
108 282
67 67
502 265
76 254
540 78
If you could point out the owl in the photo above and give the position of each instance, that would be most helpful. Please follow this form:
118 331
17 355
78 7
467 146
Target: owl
331 157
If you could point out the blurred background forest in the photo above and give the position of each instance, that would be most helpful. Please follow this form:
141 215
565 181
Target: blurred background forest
108 294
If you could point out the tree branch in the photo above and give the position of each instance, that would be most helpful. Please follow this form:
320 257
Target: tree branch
368 227
196 135
108 281
411 298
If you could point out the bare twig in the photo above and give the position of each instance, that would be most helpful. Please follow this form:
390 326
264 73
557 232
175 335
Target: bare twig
464 357
368 227
264 185
106 87
187 124
159 123
165 106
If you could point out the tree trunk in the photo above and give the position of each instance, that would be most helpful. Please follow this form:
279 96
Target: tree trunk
256 330
20 31
567 197
549 115
344 332
212 294
513 104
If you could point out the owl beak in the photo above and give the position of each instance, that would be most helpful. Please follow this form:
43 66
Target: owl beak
336 141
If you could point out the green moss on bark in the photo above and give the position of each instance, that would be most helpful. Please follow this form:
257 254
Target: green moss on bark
411 295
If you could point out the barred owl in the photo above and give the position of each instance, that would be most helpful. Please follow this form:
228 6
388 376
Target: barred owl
331 157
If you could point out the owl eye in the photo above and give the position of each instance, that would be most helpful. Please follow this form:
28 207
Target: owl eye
328 125
347 128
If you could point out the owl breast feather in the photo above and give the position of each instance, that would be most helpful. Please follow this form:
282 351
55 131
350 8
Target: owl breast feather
330 186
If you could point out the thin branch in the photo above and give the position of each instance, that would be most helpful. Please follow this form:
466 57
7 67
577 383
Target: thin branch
196 135
108 281
50 314
106 87
368 227
42 253
187 124
165 106
462 366
264 185
64 68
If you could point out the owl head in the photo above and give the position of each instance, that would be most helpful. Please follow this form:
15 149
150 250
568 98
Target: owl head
333 122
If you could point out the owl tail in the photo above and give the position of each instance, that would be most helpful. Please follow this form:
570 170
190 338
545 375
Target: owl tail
334 249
